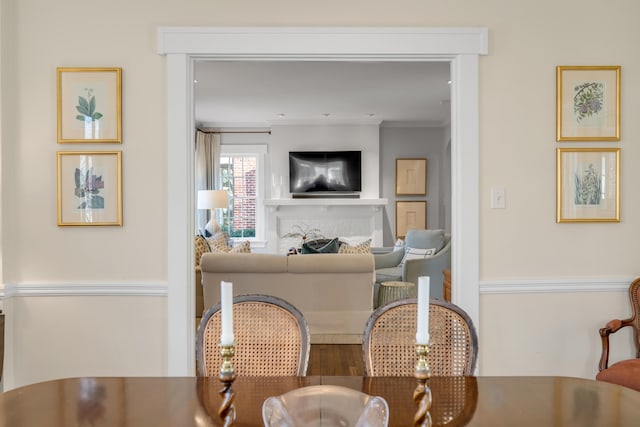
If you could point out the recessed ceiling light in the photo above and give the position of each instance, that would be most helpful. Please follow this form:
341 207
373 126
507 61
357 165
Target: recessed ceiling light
326 114
448 82
281 115
370 114
195 80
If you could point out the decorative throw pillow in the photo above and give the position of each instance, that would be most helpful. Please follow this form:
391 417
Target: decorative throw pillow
201 247
218 244
241 247
362 248
415 253
331 247
399 245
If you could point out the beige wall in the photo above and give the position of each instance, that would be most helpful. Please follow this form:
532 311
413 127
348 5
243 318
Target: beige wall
517 150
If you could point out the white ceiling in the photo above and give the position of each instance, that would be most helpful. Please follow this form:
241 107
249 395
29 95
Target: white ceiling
256 93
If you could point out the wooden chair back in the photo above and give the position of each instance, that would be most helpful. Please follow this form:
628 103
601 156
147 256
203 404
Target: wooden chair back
271 338
389 340
614 325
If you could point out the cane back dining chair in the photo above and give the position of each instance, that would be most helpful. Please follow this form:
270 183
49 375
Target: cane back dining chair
388 344
625 372
271 338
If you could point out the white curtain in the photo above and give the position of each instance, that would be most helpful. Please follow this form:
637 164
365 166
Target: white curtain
207 170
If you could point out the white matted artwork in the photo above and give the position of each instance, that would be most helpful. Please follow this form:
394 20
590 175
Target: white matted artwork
89 188
411 177
410 214
588 103
89 105
588 185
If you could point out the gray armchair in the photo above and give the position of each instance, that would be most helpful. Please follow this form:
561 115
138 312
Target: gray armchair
388 266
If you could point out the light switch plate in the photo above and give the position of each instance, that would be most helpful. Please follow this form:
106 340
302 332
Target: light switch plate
498 197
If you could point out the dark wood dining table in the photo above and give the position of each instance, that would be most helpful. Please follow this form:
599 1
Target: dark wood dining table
193 401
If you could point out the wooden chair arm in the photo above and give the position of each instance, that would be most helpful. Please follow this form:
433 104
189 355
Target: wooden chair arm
604 356
611 327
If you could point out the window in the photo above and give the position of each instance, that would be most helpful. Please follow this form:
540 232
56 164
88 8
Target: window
241 175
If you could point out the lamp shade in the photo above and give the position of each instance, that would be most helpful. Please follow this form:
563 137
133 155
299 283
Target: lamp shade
211 199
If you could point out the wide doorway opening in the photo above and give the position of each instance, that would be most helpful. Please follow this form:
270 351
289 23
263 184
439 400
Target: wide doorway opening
459 47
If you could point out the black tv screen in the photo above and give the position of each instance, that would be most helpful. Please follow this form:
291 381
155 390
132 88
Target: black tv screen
324 171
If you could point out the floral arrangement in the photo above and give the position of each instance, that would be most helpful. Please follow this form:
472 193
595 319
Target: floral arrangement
304 233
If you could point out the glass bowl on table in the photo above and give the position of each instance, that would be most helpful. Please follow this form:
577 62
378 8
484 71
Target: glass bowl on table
325 405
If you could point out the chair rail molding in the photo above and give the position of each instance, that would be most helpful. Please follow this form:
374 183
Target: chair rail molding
529 286
73 289
181 46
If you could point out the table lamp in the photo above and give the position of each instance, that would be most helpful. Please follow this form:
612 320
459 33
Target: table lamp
213 199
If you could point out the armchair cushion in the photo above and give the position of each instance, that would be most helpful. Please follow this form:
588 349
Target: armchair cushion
393 274
625 373
425 239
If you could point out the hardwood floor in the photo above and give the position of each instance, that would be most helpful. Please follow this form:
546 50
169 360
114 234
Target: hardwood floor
335 359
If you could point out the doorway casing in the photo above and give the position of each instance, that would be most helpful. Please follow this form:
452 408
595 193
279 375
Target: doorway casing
461 47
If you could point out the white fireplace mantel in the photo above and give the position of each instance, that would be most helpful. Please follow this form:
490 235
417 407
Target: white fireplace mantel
350 219
325 202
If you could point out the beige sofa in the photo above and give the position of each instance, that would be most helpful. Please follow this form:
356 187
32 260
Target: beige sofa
334 292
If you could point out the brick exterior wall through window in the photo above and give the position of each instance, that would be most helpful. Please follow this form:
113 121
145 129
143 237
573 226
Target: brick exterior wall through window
244 192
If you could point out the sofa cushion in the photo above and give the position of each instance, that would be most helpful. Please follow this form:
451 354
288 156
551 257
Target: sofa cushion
321 247
362 248
393 274
331 263
244 263
202 246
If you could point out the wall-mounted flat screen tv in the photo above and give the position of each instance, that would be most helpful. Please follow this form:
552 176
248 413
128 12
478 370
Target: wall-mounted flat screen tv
324 172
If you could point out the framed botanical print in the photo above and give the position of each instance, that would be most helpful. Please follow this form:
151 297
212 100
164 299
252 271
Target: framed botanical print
89 105
588 103
89 188
588 185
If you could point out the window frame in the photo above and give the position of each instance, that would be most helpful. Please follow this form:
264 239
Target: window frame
260 151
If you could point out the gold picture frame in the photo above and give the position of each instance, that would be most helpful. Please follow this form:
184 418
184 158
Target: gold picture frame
89 105
588 185
89 188
410 214
411 177
588 103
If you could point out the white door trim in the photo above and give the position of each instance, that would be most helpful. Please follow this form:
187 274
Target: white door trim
181 46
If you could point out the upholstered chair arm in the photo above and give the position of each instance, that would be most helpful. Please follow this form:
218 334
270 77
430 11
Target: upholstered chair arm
388 260
432 267
611 327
